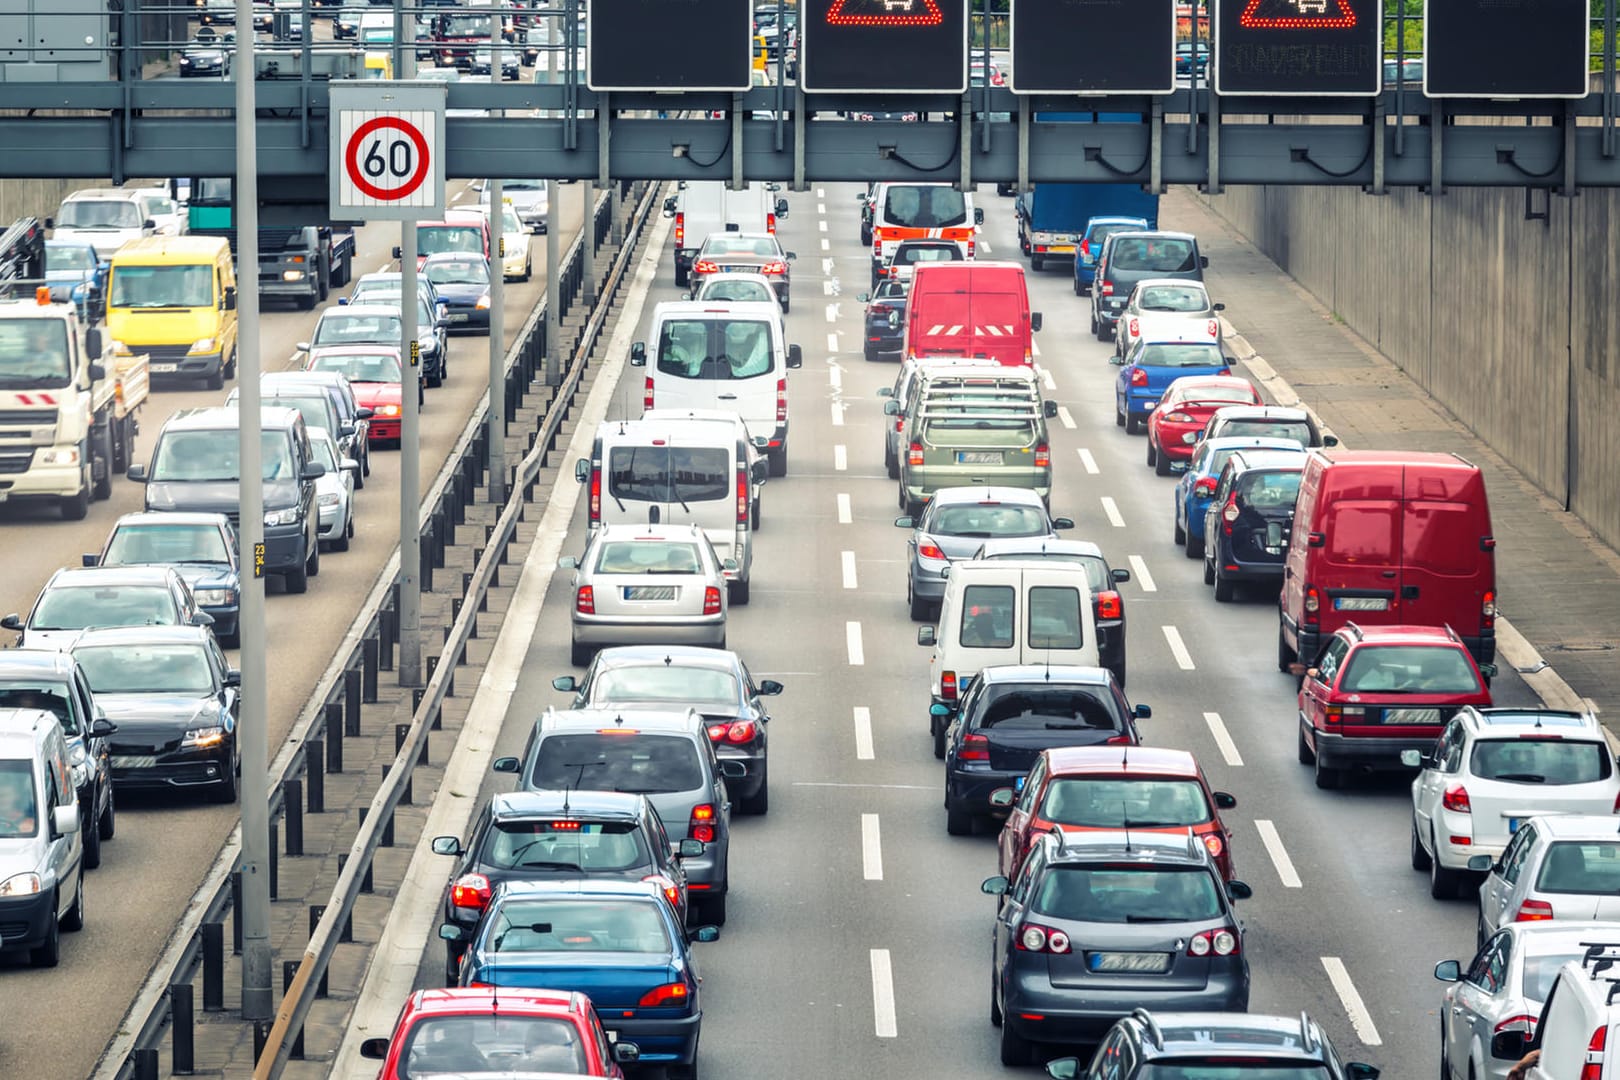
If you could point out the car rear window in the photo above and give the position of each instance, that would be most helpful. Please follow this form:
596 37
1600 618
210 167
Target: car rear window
664 682
988 520
987 617
979 430
1266 490
1127 893
1196 395
1179 356
1409 669
741 245
737 290
568 844
1540 971
1173 298
648 557
1056 709
1054 617
715 348
942 253
433 239
1155 255
1123 802
476 1045
1297 430
669 473
358 330
618 760
1540 761
595 925
1587 867
1100 233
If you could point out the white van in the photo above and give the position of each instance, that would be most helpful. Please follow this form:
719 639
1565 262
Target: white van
701 207
1006 612
104 218
732 357
679 470
1577 1034
40 841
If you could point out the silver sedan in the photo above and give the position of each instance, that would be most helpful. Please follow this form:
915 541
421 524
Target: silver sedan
334 492
647 585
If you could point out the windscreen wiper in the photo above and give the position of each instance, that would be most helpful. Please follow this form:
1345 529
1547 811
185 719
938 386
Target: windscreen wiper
549 865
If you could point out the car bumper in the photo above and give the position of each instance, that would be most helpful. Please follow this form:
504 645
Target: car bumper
928 578
25 921
705 630
1140 403
748 784
176 769
1177 441
706 873
1384 754
384 430
333 519
1084 1016
1084 272
1251 571
970 791
190 366
284 548
1111 646
225 619
673 1040
1193 514
304 286
1483 647
1108 316
1455 856
42 481
471 318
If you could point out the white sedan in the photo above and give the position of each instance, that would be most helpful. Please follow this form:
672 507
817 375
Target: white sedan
1155 302
517 262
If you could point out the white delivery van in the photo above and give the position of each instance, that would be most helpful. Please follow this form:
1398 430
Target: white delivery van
732 357
40 839
701 207
1006 612
1579 1030
678 471
733 427
104 218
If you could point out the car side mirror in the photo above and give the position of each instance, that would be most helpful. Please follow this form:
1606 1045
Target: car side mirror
1330 441
1063 1068
759 472
364 414
690 849
669 206
1002 797
994 886
1035 321
1049 409
860 198
905 522
730 565
1359 1070
89 559
137 473
375 1049
505 765
1203 262
733 770
1062 523
1488 670
102 728
1413 759
230 298
925 636
638 354
939 708
312 470
397 252
566 683
447 845
149 224
201 618
65 820
863 298
1448 971
452 932
769 688
978 215
233 676
1217 307
795 357
885 391
781 208
343 301
1238 890
1120 574
11 622
706 934
302 346
1224 800
346 431
891 408
1481 864
582 470
568 562
626 1053
1143 712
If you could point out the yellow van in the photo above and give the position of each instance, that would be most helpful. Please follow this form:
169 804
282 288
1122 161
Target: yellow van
174 299
379 65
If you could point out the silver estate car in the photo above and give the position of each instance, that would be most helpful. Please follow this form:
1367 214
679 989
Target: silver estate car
1560 866
647 585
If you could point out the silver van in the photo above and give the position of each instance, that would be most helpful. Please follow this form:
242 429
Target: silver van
41 851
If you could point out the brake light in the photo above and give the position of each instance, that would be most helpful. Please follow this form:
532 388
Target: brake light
781 401
899 423
736 731
975 747
1215 844
1487 610
1177 417
972 244
1230 512
1334 715
585 601
1034 938
1313 604
1043 456
1085 248
1138 377
770 224
1534 911
1593 1069
1109 605
675 993
775 266
742 496
596 493
701 827
1456 799
680 229
1108 288
470 891
1219 942
672 891
1224 371
711 600
1205 486
647 394
565 826
947 685
914 456
1136 327
704 266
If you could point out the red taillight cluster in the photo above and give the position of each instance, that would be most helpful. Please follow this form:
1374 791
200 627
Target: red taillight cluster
1108 288
705 266
929 551
1487 610
711 600
1230 513
1043 456
1138 377
1534 911
670 994
1110 605
1177 417
734 731
701 827
1220 942
1215 843
1456 799
680 230
770 224
972 246
947 685
647 394
1033 938
1085 248
781 401
596 493
742 496
1205 486
470 891
1313 604
1135 326
585 601
914 456
1592 1069
672 891
775 266
975 747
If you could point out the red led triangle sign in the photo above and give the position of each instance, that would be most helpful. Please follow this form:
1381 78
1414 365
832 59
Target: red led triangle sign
888 13
1297 15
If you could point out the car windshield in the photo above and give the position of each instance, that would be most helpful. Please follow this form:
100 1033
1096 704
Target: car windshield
669 474
367 368
33 354
322 453
1128 893
987 521
618 758
212 456
649 557
161 286
458 272
510 222
664 682
1115 802
69 257
432 239
1173 298
344 329
1225 1069
146 669
924 206
715 348
1059 708
1184 355
981 429
736 290
1203 395
316 411
1262 428
1532 760
145 545
1540 971
1409 669
507 1044
19 810
562 845
82 608
594 925
53 697
467 25
99 214
741 245
1586 867
1154 255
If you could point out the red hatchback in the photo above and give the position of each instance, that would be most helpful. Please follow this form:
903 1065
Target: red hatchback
1173 426
1378 690
1111 788
374 373
467 1030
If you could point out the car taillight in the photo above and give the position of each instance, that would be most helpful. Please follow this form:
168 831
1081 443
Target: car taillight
930 551
704 266
775 266
1138 377
1205 486
1338 714
736 731
596 493
770 224
711 600
647 394
1177 417
1043 456
1085 248
585 601
1219 942
470 891
1108 288
1593 1068
1224 371
701 827
675 993
742 496
1109 605
947 685
900 423
781 401
680 229
1215 844
975 747
1313 604
1034 938
914 456
671 891
1135 327
1456 798
1534 911
1487 611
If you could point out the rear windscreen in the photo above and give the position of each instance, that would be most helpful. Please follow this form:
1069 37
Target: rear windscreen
1409 669
649 557
594 925
988 520
1297 430
947 253
1540 761
978 430
715 348
1124 803
1069 708
1128 893
1269 490
1054 617
669 473
1154 255
569 844
987 617
923 206
1180 356
620 759
1173 298
1588 867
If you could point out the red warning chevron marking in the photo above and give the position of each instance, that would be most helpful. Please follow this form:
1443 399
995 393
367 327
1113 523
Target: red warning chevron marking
1297 15
886 13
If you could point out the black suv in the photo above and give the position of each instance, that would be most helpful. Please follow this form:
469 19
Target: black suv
1129 257
1247 524
1216 1044
545 835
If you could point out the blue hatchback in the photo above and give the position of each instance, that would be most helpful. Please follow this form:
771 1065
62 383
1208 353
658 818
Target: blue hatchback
1152 366
1196 488
1089 250
617 942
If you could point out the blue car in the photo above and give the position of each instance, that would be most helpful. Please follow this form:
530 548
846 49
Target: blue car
1089 250
1152 366
1196 488
72 269
461 282
202 549
617 942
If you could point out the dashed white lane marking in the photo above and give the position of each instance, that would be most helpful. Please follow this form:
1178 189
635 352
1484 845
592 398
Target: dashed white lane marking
1065 418
837 413
840 457
1046 378
385 266
462 194
821 207
1143 578
852 635
832 342
984 246
863 733
1339 976
1279 854
1223 739
883 994
828 288
827 266
848 559
1111 508
843 509
825 245
822 224
1178 648
821 193
832 313
292 361
871 848
1088 461
835 377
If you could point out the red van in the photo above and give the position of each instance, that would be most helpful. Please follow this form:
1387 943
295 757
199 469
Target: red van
975 309
1388 537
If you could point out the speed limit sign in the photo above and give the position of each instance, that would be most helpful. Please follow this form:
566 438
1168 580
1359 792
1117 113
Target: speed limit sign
387 151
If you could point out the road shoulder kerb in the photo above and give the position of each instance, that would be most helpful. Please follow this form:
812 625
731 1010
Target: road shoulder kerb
1539 675
391 975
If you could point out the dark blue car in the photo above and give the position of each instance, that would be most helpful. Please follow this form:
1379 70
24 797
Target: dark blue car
1152 366
885 320
1089 250
201 547
617 942
461 282
1196 488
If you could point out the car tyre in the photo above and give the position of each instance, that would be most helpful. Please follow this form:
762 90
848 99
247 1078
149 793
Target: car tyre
1132 424
759 803
1181 533
1444 884
107 824
778 462
1161 464
1286 657
216 379
76 507
995 1006
341 541
1327 779
1224 589
1015 1049
713 910
92 846
1306 755
1079 290
230 365
1152 452
786 303
958 822
296 581
312 566
49 952
1195 550
103 488
737 591
938 726
1420 858
891 462
918 606
452 966
1119 415
1209 572
73 921
580 655
1445 1058
1036 263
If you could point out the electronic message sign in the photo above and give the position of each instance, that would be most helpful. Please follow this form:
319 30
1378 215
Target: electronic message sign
669 45
1299 48
1093 46
1506 48
879 46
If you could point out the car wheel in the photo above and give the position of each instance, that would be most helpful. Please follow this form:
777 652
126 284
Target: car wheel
1132 424
1119 414
76 507
1445 1058
958 822
778 461
103 488
1223 589
891 462
224 792
1286 657
1078 290
786 302
939 737
92 846
1036 263
759 803
230 365
1161 464
1327 779
341 541
1444 884
682 1072
1181 533
919 606
49 952
713 910
452 966
296 581
1209 572
995 1006
681 277
754 521
866 236
1152 451
1015 1049
1195 548
1420 858
737 591
108 824
73 921
1306 755
313 566
580 655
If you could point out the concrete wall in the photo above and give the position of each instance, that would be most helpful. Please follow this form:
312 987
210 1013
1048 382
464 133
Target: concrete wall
36 198
1493 314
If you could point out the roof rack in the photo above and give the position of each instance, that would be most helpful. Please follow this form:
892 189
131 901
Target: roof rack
1600 956
1150 1025
1354 629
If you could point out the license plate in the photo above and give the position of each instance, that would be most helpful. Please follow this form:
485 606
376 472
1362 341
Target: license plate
978 457
1411 716
649 592
133 761
459 316
165 369
1143 963
1360 603
1513 825
1061 249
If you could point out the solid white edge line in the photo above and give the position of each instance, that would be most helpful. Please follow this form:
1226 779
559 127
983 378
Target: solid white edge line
883 995
852 636
1279 854
848 560
871 848
844 517
1088 461
1111 508
840 458
863 733
1065 418
1339 976
1178 648
1223 739
1143 578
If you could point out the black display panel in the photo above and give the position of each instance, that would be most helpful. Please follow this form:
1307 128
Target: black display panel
1299 48
669 45
1102 46
877 46
1506 48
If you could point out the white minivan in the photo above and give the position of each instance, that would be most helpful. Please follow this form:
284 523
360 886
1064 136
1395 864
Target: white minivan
104 218
731 357
679 470
1006 612
41 849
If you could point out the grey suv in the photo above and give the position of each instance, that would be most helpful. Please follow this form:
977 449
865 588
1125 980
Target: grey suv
1129 257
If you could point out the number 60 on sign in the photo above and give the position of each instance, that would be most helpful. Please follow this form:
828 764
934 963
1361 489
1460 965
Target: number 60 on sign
386 151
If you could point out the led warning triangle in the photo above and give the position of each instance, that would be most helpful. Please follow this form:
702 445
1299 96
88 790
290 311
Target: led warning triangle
888 13
1297 15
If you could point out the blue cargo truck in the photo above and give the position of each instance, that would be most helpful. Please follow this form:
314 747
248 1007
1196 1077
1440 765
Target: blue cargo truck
1052 217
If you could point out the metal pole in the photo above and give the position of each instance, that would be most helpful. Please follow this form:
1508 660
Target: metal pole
410 443
496 420
587 247
553 221
258 1002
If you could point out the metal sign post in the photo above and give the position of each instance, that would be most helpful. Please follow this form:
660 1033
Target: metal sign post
388 163
496 420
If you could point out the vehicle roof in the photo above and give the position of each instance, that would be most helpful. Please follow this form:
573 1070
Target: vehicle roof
924 241
736 275
361 309
1276 1036
1115 219
669 309
1246 459
90 577
589 886
1563 931
1041 545
684 655
988 494
617 805
1403 458
143 635
1399 635
1164 332
662 721
172 248
171 517
1163 234
1074 674
1178 282
1252 442
740 236
20 729
1190 384
1182 848
352 350
102 193
453 256
227 417
462 1000
1577 826
1262 412
1150 760
32 662
661 531
1506 720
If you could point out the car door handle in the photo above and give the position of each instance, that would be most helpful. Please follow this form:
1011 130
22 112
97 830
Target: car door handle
726 397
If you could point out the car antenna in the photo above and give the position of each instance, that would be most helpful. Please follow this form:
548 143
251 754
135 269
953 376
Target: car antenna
668 659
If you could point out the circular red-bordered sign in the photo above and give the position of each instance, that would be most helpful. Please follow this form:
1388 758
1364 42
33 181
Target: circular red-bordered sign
354 165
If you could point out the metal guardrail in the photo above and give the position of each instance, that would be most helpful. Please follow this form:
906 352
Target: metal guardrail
333 711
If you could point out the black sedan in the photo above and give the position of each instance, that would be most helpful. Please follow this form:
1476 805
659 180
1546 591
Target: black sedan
715 682
885 320
1108 604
